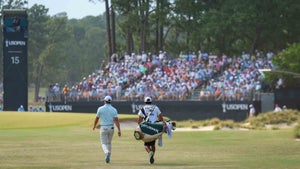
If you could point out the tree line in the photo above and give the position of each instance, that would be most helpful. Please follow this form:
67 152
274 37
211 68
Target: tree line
65 50
216 26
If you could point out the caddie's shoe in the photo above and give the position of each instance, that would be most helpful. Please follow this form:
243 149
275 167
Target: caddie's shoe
107 158
151 154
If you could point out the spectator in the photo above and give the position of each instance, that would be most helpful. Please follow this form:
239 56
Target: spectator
34 109
30 109
56 89
51 93
251 111
277 108
21 109
40 109
66 91
279 83
143 74
284 107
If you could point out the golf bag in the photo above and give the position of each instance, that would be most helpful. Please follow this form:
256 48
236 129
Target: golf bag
148 132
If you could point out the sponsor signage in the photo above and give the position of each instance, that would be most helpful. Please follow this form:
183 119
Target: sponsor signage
234 107
15 36
9 43
175 110
60 108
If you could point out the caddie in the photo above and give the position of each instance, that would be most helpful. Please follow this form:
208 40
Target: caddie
150 114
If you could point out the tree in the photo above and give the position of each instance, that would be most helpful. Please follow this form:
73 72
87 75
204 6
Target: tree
113 30
232 27
127 21
162 10
187 23
85 47
287 66
46 44
110 27
13 4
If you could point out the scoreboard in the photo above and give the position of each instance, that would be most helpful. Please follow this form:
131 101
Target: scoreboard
15 71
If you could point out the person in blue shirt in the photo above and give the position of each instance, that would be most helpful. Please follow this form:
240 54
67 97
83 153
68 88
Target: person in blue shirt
40 109
21 109
108 116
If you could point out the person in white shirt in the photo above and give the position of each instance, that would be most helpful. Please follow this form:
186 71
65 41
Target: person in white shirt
277 108
108 117
251 111
149 113
284 108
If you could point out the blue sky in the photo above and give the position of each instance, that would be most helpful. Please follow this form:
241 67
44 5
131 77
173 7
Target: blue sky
74 8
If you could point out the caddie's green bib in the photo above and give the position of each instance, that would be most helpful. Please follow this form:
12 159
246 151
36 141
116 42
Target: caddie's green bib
151 128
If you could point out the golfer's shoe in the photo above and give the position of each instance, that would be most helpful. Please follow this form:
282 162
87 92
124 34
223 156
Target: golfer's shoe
151 155
107 158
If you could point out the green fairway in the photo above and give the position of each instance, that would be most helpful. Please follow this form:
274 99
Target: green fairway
62 140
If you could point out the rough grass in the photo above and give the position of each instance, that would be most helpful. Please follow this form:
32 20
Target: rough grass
297 130
276 120
66 141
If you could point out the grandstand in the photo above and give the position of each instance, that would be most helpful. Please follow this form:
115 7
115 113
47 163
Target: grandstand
186 77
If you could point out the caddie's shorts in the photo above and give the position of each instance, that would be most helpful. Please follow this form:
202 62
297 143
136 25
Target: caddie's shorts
151 143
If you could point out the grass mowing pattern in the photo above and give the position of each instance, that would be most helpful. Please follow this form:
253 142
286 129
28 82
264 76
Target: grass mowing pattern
71 143
23 120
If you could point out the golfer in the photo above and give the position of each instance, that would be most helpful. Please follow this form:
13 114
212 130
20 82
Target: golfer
108 117
149 113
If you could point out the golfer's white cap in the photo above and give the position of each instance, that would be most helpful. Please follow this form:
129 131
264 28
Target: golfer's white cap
107 98
148 100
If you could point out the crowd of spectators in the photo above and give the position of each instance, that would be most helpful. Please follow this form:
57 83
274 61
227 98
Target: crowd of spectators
194 75
241 79
30 109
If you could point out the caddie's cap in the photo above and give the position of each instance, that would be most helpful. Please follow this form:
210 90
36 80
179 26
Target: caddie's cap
148 100
107 98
